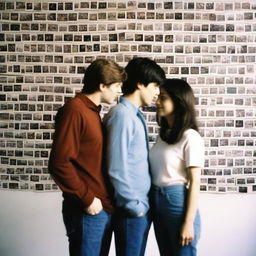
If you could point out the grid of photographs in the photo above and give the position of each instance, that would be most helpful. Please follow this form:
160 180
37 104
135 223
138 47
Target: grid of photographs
45 47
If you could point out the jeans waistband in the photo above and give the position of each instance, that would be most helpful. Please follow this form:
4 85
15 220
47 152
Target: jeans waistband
172 188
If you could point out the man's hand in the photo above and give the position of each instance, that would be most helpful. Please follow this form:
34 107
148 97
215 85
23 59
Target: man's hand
95 207
140 214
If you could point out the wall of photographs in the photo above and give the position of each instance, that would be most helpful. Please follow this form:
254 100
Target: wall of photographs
45 46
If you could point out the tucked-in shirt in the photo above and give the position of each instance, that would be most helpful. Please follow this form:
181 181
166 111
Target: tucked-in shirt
76 157
127 157
168 162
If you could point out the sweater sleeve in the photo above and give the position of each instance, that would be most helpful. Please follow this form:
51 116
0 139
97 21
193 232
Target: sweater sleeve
65 149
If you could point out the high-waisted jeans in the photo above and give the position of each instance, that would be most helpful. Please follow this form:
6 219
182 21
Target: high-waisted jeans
168 209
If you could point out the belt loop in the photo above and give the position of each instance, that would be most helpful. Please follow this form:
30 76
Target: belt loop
162 190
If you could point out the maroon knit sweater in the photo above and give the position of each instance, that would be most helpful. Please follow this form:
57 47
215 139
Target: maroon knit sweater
76 157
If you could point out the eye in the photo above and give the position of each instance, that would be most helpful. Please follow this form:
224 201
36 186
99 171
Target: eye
162 97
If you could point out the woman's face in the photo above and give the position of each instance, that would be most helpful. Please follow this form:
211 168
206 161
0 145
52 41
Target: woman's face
164 103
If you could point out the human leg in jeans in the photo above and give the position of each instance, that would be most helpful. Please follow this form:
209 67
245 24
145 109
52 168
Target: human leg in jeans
131 234
168 215
89 235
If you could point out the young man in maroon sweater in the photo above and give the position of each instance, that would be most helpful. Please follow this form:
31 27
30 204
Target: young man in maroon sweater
76 160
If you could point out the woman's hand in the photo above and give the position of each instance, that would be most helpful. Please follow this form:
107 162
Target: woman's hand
187 230
187 233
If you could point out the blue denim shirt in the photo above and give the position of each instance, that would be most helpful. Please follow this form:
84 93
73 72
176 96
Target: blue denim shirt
127 157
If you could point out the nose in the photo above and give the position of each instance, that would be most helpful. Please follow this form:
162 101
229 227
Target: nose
157 91
119 89
158 101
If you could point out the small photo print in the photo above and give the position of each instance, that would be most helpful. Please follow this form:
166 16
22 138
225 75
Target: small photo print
222 189
24 186
240 181
243 189
14 186
39 187
250 180
232 189
212 181
212 188
203 188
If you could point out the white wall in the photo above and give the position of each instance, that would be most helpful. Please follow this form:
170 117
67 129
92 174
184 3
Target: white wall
31 225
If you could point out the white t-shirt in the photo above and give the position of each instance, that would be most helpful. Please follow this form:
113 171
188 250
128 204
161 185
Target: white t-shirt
168 162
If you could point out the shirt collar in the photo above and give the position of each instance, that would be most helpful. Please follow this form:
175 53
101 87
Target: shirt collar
89 103
129 104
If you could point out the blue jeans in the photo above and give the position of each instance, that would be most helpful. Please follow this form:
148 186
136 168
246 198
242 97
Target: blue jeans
168 207
131 234
89 235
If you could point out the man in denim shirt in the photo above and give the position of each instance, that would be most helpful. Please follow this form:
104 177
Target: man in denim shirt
127 156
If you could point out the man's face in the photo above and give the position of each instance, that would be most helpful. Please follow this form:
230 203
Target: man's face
149 93
110 92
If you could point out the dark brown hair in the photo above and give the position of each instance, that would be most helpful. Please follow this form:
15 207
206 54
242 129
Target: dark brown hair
184 111
103 71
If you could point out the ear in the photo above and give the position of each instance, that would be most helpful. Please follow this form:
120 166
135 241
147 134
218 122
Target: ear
102 87
140 86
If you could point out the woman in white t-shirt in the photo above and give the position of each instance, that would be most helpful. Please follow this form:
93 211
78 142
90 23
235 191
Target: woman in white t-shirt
176 160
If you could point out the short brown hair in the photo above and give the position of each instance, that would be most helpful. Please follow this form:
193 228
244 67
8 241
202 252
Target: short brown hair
103 71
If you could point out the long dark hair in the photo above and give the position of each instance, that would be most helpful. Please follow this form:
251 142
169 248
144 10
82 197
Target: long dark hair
184 111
